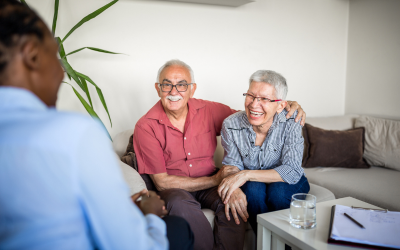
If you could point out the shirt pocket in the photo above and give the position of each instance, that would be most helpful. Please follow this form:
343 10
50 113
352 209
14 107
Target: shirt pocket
246 157
273 155
205 145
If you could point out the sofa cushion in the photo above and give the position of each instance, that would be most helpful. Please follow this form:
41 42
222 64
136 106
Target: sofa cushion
382 141
333 148
375 185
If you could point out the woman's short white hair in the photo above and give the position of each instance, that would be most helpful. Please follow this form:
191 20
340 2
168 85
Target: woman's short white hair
273 78
174 62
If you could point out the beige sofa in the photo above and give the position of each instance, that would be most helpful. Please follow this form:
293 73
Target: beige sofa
377 185
135 182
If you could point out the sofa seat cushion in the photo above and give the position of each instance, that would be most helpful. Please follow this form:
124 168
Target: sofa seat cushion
375 185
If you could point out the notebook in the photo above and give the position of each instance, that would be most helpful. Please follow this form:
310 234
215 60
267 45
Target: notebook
382 228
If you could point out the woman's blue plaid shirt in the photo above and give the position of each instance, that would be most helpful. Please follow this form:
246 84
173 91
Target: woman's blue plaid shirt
282 149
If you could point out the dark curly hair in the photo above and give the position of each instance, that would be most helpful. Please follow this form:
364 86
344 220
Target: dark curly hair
16 20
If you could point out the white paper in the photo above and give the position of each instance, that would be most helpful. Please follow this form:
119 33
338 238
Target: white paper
381 228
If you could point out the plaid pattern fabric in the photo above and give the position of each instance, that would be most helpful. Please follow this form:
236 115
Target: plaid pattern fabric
282 149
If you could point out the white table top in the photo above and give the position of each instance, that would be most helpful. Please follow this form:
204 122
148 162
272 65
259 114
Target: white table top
278 222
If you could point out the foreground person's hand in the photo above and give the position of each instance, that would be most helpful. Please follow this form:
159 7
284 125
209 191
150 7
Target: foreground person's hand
136 196
292 106
238 205
152 204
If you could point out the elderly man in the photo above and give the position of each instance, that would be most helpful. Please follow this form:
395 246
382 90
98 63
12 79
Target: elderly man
175 143
60 185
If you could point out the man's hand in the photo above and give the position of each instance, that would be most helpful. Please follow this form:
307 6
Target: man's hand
292 106
225 171
231 183
238 205
150 203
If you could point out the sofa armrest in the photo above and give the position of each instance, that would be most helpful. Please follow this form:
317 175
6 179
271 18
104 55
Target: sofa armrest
132 178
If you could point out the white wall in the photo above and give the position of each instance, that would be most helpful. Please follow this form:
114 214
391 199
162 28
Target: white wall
304 40
373 74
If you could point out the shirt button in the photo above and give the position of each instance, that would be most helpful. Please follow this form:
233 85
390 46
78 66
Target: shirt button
184 138
190 165
188 153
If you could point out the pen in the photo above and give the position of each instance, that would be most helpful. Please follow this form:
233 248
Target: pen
351 218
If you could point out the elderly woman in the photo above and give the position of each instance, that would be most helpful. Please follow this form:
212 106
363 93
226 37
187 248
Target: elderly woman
265 147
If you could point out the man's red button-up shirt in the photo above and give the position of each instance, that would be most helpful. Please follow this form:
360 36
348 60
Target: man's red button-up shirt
160 147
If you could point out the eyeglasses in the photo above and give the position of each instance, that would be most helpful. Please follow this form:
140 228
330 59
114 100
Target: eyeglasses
180 87
263 100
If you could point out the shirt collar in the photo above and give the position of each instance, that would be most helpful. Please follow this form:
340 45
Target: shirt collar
19 98
157 112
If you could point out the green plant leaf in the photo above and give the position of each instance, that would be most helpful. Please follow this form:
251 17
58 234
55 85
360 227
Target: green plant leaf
86 89
53 29
99 92
70 71
88 108
91 48
61 51
23 1
89 17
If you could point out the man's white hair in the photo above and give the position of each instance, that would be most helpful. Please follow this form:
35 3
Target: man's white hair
273 78
174 62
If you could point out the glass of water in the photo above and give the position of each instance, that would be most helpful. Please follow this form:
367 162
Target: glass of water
303 212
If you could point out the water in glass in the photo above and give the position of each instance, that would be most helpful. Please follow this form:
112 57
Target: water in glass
303 213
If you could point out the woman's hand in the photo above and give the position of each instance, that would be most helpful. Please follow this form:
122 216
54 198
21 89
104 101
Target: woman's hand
231 183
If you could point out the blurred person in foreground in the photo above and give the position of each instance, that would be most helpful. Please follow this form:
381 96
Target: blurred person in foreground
60 184
265 147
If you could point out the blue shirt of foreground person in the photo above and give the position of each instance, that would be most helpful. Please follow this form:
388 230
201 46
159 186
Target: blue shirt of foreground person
60 185
265 146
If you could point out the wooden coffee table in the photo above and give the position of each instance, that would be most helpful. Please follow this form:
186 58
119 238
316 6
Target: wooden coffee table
274 230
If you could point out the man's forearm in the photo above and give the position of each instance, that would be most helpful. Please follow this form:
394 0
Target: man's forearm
183 182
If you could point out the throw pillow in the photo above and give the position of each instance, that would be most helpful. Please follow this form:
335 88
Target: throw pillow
334 148
382 141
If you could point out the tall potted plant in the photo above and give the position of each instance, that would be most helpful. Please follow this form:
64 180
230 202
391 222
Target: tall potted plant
80 78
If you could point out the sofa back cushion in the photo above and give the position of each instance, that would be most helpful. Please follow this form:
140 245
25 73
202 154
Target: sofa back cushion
382 141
